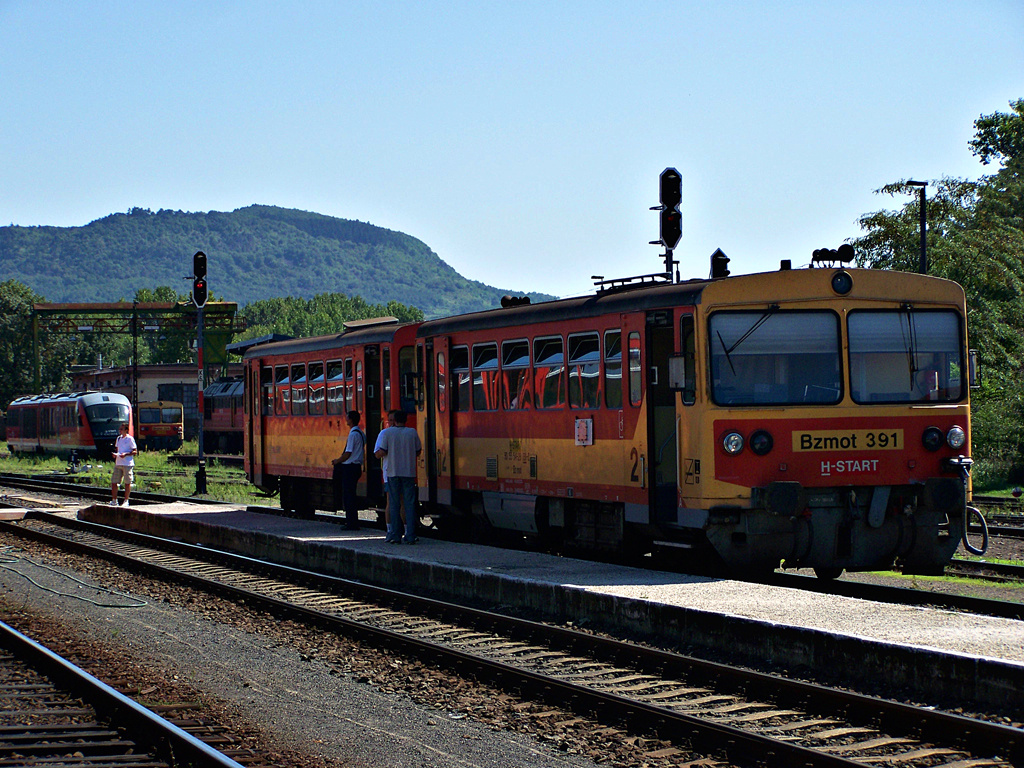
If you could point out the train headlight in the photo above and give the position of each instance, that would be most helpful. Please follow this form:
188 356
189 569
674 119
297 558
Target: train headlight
956 437
842 283
761 442
733 443
932 439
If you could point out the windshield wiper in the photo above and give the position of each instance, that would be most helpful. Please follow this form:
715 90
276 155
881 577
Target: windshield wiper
772 309
910 345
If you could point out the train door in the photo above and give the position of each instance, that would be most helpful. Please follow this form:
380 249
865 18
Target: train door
254 448
436 428
371 408
662 425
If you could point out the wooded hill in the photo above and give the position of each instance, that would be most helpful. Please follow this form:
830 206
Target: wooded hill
254 253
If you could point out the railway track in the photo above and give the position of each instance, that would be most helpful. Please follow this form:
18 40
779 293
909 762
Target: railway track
54 714
721 713
865 591
1001 572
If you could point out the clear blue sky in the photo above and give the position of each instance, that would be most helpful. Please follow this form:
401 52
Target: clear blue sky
522 141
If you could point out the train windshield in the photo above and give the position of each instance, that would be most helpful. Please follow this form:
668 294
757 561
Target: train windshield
905 355
149 415
773 357
101 412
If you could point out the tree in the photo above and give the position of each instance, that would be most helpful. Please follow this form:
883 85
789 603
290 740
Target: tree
16 354
324 314
976 238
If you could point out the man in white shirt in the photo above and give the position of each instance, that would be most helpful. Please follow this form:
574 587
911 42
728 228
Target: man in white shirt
124 465
400 445
348 468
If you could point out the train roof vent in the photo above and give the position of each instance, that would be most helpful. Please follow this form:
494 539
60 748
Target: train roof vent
355 325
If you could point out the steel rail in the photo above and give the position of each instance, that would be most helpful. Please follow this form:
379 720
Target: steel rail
933 725
167 741
876 592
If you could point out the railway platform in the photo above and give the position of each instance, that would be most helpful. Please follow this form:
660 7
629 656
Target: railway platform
954 656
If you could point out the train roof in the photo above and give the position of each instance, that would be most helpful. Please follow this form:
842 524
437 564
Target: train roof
86 398
374 331
626 298
225 387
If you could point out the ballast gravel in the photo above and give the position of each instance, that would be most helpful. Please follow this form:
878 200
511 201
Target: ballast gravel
315 700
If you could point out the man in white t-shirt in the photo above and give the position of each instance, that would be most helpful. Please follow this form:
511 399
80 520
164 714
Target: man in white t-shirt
400 446
124 454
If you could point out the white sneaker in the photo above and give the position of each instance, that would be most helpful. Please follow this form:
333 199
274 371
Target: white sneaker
124 503
114 503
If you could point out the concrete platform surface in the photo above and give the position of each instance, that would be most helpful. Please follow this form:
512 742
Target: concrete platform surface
970 657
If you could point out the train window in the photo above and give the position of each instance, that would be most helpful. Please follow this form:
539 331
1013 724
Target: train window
350 391
442 384
774 357
359 386
515 373
585 371
316 389
299 389
485 377
635 370
407 379
613 368
170 415
149 415
906 355
385 378
460 379
107 412
335 387
549 372
687 337
283 403
267 386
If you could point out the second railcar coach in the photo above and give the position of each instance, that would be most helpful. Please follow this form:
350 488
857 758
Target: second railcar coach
815 418
297 395
224 416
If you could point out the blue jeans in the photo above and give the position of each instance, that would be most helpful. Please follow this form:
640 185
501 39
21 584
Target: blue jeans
402 490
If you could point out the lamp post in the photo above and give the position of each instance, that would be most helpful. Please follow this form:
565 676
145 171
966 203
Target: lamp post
922 264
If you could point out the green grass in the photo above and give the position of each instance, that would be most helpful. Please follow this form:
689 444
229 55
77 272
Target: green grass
920 582
154 472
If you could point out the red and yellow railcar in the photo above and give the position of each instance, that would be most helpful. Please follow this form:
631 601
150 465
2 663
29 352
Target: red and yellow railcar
161 425
297 393
816 417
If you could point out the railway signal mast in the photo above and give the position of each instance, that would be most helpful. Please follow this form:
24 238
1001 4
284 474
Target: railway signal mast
199 296
670 218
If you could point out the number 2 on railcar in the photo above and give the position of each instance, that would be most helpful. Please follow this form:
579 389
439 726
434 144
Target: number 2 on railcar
814 418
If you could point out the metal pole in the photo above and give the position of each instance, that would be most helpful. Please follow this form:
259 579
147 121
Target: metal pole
922 263
135 367
200 459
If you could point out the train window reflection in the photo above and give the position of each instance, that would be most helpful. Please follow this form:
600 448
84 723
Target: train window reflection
316 389
485 377
613 369
774 357
549 372
584 371
905 355
515 373
335 387
460 378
